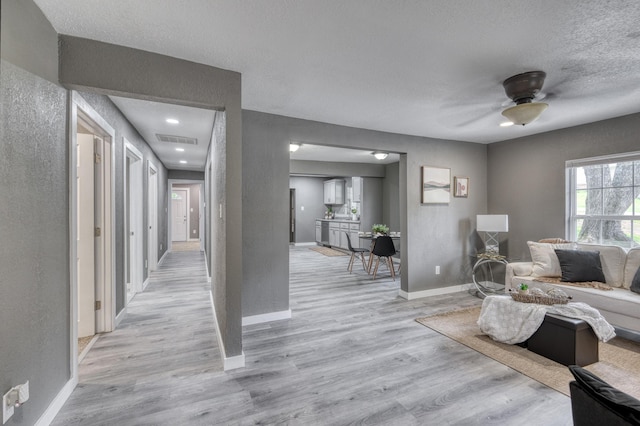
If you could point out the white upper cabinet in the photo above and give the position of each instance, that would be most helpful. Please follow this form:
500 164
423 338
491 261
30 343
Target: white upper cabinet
356 184
334 191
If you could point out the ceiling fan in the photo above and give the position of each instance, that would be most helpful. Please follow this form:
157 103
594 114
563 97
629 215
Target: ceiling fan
523 89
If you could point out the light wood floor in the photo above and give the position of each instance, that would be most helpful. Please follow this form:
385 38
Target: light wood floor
351 354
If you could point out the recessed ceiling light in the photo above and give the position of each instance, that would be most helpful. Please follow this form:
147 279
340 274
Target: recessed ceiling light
180 149
172 121
183 161
506 124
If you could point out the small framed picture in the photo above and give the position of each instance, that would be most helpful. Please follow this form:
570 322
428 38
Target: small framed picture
460 187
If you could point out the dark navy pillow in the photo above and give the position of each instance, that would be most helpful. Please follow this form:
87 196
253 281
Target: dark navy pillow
635 284
580 266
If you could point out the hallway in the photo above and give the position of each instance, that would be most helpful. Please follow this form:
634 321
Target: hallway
156 366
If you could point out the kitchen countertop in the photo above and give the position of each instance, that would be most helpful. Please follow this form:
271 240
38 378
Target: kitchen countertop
339 220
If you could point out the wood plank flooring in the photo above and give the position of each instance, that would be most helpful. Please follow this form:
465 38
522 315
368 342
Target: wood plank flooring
351 354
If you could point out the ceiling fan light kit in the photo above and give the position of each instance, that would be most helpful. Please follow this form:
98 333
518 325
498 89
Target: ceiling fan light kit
380 155
524 113
522 89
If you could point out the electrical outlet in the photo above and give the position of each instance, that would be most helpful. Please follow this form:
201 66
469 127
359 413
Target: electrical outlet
438 270
8 405
16 396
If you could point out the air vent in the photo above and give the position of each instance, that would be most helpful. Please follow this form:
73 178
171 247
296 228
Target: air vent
177 139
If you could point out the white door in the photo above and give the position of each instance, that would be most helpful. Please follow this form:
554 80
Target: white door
152 242
179 214
86 235
133 226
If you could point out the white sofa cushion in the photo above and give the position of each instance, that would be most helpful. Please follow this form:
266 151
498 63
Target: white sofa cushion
545 261
613 259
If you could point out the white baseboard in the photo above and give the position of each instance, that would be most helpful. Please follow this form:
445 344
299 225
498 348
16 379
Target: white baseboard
434 292
120 316
312 243
234 362
56 405
162 258
268 317
145 284
229 363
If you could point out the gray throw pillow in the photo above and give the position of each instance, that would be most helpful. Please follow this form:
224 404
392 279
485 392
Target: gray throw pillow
635 284
580 266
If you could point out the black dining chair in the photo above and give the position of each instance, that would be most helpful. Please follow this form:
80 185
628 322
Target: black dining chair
384 248
355 252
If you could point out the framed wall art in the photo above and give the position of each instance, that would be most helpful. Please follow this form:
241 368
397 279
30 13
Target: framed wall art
461 187
436 185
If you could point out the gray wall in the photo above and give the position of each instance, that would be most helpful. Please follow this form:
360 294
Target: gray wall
34 170
326 168
265 215
527 175
104 68
123 129
186 175
436 234
309 193
391 196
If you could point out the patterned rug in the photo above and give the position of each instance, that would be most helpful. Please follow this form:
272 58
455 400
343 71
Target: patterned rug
327 251
619 363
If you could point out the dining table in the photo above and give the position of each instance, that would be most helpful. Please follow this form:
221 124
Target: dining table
370 236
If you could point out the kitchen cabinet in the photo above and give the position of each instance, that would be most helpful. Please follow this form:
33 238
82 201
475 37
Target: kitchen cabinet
334 234
318 231
334 191
356 185
344 227
354 229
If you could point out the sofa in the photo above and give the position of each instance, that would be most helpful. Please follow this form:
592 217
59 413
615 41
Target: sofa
619 305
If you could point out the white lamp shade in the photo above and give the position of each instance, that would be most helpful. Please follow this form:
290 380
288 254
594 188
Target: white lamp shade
492 222
524 113
293 147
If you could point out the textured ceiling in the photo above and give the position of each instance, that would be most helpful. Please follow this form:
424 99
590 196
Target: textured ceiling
423 67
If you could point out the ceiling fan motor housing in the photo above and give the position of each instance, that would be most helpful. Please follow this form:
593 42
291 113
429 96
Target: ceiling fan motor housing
523 88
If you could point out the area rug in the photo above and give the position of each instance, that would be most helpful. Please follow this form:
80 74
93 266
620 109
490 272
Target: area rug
185 246
327 251
619 363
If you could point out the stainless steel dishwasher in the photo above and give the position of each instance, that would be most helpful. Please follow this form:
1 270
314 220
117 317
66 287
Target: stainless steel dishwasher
324 233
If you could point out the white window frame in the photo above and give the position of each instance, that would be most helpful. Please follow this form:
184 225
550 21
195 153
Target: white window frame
571 203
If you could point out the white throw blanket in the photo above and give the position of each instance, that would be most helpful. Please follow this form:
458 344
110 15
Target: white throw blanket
508 321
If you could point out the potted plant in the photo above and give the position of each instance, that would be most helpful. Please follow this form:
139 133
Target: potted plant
523 289
329 214
353 214
380 229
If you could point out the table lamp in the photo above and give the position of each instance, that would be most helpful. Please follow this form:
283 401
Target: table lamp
491 225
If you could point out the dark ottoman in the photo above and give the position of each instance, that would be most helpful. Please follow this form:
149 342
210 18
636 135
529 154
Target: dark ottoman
569 341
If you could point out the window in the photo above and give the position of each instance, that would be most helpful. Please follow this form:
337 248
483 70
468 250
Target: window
604 200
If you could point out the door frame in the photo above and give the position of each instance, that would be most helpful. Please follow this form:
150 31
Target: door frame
152 220
137 184
187 211
106 320
201 207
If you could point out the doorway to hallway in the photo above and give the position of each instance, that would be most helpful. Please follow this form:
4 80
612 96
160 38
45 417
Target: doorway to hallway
186 221
92 231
